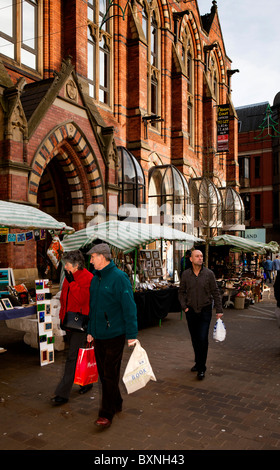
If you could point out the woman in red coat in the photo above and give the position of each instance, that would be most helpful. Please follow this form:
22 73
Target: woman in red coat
74 298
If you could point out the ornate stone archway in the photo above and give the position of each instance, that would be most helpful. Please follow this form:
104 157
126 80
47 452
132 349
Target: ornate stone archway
77 159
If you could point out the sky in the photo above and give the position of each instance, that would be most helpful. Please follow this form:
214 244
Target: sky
251 32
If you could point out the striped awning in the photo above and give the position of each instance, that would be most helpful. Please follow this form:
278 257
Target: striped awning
22 216
243 244
125 235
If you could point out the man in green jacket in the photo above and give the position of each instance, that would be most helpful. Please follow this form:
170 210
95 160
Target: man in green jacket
112 320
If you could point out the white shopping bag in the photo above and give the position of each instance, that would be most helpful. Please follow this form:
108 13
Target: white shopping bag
138 371
219 333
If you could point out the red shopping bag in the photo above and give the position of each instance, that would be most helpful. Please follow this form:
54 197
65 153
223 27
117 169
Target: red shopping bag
86 369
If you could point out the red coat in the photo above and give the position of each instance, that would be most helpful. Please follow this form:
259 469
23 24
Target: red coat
78 295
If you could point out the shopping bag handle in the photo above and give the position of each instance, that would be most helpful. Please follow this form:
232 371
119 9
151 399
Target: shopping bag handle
89 344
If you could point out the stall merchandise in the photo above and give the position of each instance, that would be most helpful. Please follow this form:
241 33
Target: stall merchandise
44 317
23 216
239 293
6 280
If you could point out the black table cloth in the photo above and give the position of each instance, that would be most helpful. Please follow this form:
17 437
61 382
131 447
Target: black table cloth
154 305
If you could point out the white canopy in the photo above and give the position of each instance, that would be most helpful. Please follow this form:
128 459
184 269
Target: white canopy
16 215
125 235
243 244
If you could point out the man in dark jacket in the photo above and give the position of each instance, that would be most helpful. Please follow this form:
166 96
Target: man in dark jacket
198 289
112 319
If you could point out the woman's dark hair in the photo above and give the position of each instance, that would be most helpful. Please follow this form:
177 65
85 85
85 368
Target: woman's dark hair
75 257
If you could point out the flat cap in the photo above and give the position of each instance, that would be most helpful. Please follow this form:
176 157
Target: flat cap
100 249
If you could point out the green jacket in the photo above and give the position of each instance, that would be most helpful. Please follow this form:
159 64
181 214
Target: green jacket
112 308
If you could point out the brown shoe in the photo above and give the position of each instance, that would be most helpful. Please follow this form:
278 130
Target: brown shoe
103 423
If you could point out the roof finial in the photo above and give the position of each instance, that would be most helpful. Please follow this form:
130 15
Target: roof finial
214 6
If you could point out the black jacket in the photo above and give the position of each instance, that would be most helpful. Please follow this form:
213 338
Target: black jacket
199 291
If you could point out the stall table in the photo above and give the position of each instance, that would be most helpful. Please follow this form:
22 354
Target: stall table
154 305
18 312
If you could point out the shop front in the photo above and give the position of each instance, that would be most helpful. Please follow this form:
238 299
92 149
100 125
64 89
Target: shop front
237 263
26 225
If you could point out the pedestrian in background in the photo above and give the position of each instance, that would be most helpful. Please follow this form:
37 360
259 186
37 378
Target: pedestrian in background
198 289
276 264
185 262
74 298
112 320
268 265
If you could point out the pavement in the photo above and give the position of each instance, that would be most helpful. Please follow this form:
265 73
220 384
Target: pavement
236 407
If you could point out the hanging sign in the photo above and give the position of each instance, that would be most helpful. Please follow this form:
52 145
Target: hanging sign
223 128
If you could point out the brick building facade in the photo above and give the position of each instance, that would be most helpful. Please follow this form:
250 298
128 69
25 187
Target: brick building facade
258 154
82 80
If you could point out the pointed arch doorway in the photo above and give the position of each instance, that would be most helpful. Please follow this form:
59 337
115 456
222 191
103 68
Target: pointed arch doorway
65 179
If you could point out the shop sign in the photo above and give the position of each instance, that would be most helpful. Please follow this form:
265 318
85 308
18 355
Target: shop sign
223 128
256 234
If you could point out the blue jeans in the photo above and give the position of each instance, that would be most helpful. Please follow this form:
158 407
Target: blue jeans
198 324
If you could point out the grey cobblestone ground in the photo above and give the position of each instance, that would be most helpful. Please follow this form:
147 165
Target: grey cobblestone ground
236 407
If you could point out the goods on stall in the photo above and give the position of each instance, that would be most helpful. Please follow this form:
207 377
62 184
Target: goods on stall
21 294
45 326
55 251
241 292
145 272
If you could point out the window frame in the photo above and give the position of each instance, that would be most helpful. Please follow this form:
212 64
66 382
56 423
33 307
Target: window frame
151 21
188 62
101 40
16 40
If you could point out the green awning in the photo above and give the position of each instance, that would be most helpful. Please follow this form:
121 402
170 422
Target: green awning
22 216
242 244
125 235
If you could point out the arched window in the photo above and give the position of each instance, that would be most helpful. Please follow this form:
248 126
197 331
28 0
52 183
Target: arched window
131 179
145 21
233 209
169 198
207 206
213 76
151 29
99 53
187 58
104 71
21 32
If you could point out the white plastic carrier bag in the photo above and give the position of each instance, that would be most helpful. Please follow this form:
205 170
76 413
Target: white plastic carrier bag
219 333
138 371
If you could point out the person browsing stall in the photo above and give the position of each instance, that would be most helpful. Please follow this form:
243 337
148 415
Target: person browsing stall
112 321
74 298
198 289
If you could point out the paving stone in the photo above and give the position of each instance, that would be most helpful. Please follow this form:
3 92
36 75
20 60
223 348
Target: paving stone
236 406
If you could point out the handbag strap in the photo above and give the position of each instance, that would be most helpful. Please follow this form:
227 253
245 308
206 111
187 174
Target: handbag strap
67 301
67 298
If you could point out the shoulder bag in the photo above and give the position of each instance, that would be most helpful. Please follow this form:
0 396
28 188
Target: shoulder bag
74 321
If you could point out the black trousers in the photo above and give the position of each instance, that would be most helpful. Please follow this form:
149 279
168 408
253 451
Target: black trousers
198 324
108 354
76 340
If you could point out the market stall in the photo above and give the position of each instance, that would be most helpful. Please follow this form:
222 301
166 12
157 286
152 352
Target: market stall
244 283
154 296
17 307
